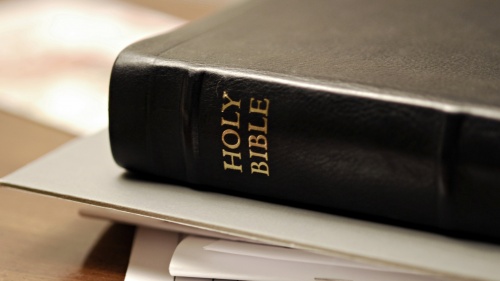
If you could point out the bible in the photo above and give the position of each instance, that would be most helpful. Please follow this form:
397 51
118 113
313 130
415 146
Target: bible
384 109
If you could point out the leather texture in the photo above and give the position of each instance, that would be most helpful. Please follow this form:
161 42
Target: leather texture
385 109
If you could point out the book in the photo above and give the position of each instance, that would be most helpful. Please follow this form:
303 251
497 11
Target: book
83 171
386 110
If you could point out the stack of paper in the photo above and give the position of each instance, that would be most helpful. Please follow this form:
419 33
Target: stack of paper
158 255
352 249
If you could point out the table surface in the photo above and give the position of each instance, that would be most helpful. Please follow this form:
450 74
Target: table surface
44 238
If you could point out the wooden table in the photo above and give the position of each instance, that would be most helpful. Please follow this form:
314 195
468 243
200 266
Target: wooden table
43 238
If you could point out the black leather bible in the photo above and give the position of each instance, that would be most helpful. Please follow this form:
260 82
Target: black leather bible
387 109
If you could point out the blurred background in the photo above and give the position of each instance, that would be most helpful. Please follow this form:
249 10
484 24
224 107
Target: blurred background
55 62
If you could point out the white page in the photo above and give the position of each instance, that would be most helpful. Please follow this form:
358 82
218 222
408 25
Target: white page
151 254
288 254
145 221
191 259
227 246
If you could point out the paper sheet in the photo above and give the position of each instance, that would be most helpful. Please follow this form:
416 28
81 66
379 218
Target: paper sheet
288 254
145 221
199 259
191 258
151 254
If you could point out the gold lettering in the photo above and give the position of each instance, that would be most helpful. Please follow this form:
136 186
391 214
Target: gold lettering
232 166
232 123
256 154
258 141
231 132
261 168
258 108
262 128
230 103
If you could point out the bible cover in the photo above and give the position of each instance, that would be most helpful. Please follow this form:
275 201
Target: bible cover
380 109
